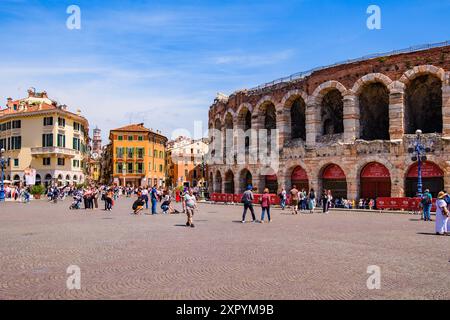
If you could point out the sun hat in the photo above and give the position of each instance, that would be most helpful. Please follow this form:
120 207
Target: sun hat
441 195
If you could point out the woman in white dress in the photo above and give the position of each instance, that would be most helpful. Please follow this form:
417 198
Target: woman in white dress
441 215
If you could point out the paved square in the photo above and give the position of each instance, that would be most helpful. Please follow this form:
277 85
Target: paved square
156 257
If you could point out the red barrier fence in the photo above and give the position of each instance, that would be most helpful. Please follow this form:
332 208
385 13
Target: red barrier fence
399 204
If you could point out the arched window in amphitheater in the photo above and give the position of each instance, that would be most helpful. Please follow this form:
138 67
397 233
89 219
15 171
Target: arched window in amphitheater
270 123
423 105
332 111
245 124
229 182
374 112
245 180
218 183
298 119
228 137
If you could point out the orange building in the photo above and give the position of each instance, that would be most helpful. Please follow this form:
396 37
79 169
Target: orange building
139 156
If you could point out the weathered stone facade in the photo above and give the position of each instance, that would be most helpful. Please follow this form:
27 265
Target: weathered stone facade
383 100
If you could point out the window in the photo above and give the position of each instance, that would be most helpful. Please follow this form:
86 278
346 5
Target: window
48 121
130 167
76 163
161 155
61 140
61 161
46 161
119 167
140 168
130 153
16 162
16 143
155 153
76 126
140 138
8 126
149 166
119 153
76 144
130 138
160 168
47 140
120 138
17 124
61 122
140 153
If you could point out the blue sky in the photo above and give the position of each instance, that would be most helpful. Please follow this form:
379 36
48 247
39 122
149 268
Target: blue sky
162 62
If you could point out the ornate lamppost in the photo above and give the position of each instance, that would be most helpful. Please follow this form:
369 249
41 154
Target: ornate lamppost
419 154
4 162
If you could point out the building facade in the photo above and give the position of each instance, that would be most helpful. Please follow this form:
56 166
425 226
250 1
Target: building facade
348 128
138 156
38 133
187 162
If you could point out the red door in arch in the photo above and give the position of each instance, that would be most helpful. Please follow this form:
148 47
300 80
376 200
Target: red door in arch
299 178
432 178
375 181
334 179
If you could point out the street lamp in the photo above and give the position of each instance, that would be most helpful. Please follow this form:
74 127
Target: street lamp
419 154
124 173
3 164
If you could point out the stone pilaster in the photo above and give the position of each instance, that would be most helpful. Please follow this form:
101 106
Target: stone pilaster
312 123
397 111
283 126
352 188
446 109
351 118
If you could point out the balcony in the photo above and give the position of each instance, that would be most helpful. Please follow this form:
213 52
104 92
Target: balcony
43 152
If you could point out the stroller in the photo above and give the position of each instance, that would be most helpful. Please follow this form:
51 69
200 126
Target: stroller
76 204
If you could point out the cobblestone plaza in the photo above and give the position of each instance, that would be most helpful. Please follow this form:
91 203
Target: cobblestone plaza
155 257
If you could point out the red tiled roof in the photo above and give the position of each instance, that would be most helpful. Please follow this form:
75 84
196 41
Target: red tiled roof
30 108
133 128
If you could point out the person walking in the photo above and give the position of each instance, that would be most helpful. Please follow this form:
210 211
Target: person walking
283 198
191 205
95 194
294 200
265 205
144 196
442 214
312 200
154 199
247 200
427 203
325 201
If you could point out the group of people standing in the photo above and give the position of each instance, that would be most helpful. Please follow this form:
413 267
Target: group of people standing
442 211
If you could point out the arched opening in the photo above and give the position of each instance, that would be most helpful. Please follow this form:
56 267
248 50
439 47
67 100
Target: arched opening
432 179
60 180
299 178
48 180
67 180
374 112
229 182
375 181
334 179
298 119
246 180
228 137
270 124
218 183
38 180
16 180
271 183
332 112
423 105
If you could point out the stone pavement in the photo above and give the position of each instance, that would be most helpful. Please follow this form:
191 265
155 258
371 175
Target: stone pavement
156 257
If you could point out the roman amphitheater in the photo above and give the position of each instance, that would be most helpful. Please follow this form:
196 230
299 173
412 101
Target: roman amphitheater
347 127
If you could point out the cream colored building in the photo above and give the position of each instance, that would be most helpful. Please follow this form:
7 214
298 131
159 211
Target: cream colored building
36 132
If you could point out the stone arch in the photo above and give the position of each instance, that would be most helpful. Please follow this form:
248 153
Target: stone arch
294 109
218 182
417 71
333 177
424 100
431 179
373 104
264 102
369 79
325 87
377 180
245 179
229 182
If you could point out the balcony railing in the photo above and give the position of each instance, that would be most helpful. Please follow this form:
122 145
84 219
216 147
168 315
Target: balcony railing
59 151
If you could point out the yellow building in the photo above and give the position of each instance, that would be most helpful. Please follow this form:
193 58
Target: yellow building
139 156
38 133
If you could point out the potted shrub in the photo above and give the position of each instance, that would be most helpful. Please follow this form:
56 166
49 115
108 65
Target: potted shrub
37 191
